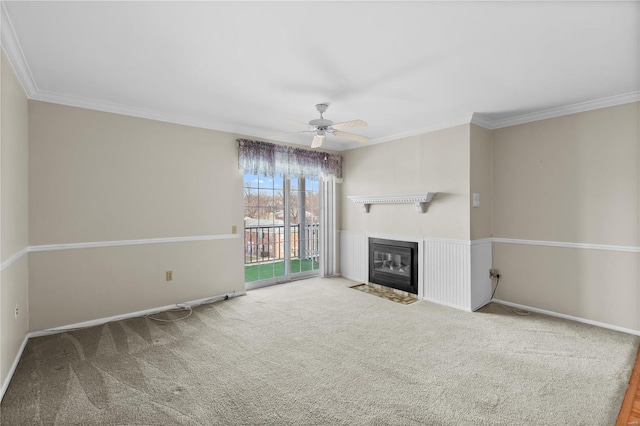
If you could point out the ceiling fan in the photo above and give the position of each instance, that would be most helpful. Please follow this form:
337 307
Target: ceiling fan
322 127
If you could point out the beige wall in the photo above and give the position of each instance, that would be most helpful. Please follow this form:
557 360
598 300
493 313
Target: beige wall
96 176
597 285
72 286
14 217
101 177
14 164
481 182
433 162
572 179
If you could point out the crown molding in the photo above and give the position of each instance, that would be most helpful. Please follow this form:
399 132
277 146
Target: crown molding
465 119
15 55
113 108
11 46
610 101
487 123
475 118
482 121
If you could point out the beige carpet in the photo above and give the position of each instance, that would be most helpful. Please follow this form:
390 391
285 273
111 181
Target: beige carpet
316 352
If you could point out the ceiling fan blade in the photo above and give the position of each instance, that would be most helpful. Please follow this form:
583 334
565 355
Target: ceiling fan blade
351 136
349 124
317 141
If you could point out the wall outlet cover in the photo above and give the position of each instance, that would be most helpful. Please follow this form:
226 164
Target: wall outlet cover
476 199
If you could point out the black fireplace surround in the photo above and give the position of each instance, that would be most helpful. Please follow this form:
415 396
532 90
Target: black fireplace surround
394 264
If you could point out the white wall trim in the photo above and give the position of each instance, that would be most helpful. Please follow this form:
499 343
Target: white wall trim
15 55
458 121
71 246
165 117
447 304
12 370
10 261
628 249
610 101
568 317
136 314
482 121
133 111
481 241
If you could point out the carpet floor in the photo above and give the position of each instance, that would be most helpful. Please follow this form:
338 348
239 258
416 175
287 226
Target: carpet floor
316 352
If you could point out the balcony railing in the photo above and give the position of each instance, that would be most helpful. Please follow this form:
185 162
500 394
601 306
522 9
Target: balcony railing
265 243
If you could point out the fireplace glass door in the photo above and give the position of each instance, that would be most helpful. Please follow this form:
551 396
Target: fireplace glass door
394 264
392 260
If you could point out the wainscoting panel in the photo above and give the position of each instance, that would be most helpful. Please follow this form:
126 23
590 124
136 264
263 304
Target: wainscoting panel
447 276
446 267
481 262
353 255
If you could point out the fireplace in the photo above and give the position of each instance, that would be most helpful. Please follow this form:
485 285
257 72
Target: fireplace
394 264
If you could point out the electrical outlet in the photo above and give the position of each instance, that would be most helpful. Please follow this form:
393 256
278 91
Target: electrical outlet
17 311
493 273
234 229
169 275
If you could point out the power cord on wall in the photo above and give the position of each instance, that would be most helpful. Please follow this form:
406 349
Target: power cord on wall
516 311
496 287
187 308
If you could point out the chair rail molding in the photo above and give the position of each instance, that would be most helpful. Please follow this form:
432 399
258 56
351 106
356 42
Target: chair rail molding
420 199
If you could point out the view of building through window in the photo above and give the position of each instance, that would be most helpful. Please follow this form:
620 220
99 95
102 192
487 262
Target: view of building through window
280 241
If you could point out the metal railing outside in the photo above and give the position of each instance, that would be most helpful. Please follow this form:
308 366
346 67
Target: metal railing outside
265 243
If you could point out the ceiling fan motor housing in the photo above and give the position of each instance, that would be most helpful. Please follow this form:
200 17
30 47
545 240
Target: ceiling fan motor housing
320 123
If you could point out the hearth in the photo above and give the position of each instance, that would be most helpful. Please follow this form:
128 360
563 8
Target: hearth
394 264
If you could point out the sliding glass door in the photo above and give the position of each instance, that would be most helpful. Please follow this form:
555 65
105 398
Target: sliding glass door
281 229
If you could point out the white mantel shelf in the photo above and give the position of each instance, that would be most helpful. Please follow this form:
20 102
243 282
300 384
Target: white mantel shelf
420 199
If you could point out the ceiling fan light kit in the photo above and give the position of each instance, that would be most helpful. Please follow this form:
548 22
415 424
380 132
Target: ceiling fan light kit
322 126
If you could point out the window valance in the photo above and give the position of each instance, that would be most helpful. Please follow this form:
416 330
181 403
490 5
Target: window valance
270 159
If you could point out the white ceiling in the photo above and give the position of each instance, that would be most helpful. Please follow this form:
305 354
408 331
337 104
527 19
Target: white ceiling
404 67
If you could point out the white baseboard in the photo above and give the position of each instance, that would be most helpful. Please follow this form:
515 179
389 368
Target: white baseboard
5 385
481 305
101 321
449 305
568 317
